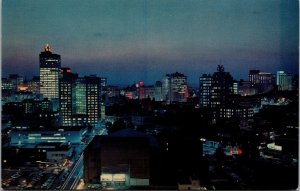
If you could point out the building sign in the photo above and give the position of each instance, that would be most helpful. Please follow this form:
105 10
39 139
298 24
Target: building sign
274 147
119 177
106 177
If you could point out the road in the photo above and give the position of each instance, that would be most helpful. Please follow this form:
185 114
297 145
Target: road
74 176
77 171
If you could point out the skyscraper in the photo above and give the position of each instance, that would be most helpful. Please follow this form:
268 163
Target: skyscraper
158 91
216 90
261 81
205 82
66 86
86 95
222 87
49 73
284 81
93 98
174 88
165 88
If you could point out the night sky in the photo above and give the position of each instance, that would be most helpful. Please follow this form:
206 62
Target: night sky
132 40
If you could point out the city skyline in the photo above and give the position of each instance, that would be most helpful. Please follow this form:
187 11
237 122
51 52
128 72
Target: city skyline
129 41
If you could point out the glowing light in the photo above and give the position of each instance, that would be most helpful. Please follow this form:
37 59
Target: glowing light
106 177
119 177
274 147
22 88
47 48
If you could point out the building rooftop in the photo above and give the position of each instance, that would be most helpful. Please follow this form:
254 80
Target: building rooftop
124 134
61 128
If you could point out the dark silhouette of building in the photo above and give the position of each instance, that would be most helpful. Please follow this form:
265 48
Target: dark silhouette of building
216 90
119 160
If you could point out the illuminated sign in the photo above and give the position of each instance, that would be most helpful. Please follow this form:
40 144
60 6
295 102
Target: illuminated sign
22 88
236 152
274 147
119 177
106 177
113 177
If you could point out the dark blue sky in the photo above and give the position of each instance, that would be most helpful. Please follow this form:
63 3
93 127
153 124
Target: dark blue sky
136 40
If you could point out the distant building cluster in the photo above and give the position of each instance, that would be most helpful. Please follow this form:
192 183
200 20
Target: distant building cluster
52 116
62 98
81 101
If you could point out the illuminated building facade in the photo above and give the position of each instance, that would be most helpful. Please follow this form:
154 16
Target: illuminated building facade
12 82
66 86
222 87
7 84
158 91
205 82
261 81
34 85
49 73
93 99
217 89
86 95
240 112
284 81
174 88
74 135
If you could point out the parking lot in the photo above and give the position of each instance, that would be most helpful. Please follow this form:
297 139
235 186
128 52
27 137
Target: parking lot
33 177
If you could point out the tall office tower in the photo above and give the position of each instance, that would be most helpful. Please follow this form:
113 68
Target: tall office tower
166 87
79 97
49 74
284 81
174 88
261 81
205 82
222 87
87 98
158 91
216 90
93 98
66 86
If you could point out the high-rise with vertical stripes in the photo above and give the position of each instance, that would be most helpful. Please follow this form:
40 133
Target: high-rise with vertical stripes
49 73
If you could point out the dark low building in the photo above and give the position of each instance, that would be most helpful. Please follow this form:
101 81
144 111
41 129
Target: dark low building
119 160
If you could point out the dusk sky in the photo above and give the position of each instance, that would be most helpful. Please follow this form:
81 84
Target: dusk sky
132 40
